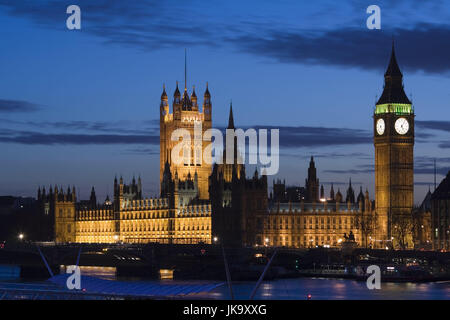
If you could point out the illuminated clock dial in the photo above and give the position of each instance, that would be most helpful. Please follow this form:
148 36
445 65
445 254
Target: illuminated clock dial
380 126
401 126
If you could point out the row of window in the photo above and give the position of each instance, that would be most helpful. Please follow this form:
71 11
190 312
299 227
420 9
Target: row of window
134 228
298 241
305 223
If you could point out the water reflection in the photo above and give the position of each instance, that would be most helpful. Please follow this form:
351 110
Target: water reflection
106 273
300 288
335 289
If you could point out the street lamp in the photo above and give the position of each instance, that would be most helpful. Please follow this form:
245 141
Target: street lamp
215 239
21 236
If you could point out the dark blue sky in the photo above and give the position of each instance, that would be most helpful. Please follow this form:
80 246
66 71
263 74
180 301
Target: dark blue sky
78 107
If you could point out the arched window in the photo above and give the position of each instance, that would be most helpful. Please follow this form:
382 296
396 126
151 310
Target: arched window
186 155
198 155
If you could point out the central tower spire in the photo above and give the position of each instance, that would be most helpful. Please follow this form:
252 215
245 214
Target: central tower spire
230 117
185 69
186 115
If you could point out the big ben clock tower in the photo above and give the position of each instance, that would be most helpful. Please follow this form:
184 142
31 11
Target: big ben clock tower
394 159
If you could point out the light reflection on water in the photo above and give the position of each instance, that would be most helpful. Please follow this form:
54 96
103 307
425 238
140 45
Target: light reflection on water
299 288
106 273
334 289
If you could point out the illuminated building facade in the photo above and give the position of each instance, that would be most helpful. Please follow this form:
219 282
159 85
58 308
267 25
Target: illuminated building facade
131 218
183 212
185 116
326 221
199 202
238 212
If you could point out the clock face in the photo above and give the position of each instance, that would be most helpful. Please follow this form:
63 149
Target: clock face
380 126
401 126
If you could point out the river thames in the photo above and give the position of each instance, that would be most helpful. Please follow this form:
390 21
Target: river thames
299 288
324 289
335 289
286 289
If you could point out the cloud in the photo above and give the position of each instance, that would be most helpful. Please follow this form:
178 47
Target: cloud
430 170
421 183
425 165
332 155
305 136
432 125
350 171
291 138
422 48
124 127
143 151
144 25
444 145
36 138
437 125
418 169
140 24
147 132
341 183
429 160
13 106
422 165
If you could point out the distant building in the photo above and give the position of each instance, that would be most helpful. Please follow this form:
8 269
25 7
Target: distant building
283 193
24 215
440 215
312 183
421 224
10 204
7 205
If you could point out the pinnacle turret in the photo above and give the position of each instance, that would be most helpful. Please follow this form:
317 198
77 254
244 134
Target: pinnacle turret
164 94
207 94
230 118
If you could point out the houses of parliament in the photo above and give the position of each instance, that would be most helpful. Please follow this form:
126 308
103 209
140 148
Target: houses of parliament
202 203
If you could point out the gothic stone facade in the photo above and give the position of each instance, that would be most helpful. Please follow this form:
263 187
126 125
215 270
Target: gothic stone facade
131 218
306 225
186 116
199 203
317 220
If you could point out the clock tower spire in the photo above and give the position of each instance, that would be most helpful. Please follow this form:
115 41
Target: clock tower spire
394 158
